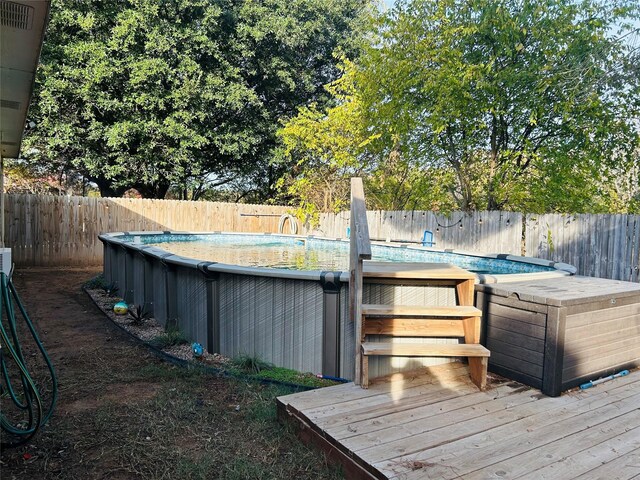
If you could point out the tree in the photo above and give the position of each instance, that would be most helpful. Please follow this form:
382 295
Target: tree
154 93
331 145
498 104
507 92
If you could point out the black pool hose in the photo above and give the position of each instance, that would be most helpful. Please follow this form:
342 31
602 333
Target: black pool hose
25 394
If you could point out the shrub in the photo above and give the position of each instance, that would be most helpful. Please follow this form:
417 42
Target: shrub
249 364
170 338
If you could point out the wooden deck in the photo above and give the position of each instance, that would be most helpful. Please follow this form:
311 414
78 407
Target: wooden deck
437 425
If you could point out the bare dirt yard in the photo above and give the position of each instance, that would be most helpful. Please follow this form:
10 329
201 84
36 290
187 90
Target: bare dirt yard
124 414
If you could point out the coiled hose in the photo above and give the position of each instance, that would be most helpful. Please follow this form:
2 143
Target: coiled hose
31 410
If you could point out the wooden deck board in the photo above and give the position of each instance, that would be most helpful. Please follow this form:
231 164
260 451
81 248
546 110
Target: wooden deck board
507 441
398 382
625 467
416 270
586 460
463 405
439 426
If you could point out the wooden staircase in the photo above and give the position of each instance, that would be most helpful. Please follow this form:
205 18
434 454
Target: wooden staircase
390 321
459 321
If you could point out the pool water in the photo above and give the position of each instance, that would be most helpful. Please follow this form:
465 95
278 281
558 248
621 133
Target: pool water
279 252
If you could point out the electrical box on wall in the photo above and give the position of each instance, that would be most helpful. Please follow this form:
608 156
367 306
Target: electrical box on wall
5 260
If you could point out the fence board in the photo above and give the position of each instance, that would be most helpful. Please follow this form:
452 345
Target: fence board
56 230
50 230
604 246
489 232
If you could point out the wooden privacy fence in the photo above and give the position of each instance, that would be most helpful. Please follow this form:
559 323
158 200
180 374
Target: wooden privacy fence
51 230
474 232
606 246
55 230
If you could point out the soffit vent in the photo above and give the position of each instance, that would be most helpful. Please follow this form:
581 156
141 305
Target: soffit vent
16 15
9 104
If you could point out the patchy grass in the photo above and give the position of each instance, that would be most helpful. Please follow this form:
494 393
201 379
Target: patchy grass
124 414
255 368
171 423
250 365
292 376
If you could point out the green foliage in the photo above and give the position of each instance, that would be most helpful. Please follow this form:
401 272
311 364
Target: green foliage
170 338
499 89
154 93
139 314
326 148
250 364
96 282
111 289
484 104
259 369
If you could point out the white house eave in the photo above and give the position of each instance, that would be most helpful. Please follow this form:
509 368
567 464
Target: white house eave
22 28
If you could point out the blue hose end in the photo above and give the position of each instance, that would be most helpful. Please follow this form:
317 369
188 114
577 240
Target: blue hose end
623 373
584 386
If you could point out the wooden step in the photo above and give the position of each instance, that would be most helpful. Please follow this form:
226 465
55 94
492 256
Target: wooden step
459 311
425 349
415 270
402 327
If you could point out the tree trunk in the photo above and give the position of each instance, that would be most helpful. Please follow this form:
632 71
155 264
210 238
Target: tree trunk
155 190
107 189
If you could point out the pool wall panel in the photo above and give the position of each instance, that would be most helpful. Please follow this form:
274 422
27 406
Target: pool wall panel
347 336
190 304
107 268
121 271
159 282
138 279
276 319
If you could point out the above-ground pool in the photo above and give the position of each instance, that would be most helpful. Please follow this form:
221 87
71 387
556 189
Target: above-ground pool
280 297
309 253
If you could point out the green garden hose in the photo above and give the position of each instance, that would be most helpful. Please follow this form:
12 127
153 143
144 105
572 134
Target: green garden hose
31 408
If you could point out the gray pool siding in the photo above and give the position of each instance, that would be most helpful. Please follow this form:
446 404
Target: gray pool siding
158 299
300 323
120 273
278 320
347 340
294 319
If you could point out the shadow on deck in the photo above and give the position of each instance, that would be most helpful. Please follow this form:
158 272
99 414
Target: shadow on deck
435 424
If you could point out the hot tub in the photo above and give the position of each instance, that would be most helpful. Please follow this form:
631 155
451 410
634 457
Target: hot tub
291 311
